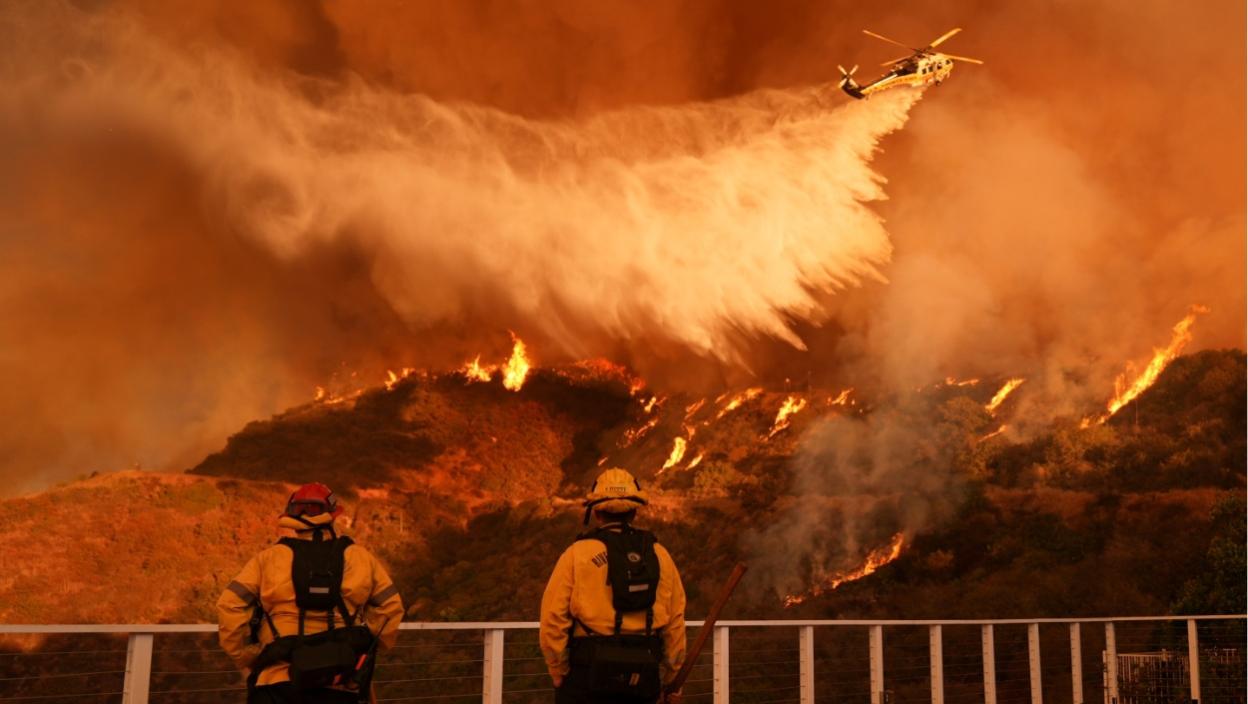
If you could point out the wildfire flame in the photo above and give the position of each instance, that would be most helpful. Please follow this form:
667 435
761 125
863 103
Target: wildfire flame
696 461
654 400
1003 394
994 433
791 406
515 370
875 560
1125 392
678 453
951 381
475 372
694 408
842 399
632 435
737 400
517 366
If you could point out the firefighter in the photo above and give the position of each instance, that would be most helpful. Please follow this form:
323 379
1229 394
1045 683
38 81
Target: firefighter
613 613
285 617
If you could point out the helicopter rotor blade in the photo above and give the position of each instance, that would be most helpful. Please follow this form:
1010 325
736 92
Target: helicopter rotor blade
964 58
869 33
940 40
897 60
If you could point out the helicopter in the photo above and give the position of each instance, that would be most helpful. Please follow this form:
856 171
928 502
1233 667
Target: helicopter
921 68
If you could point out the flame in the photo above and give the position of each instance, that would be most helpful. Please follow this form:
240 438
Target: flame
320 393
1003 394
1125 392
694 408
678 453
696 461
654 400
634 434
950 381
791 406
737 400
875 560
517 366
475 372
842 399
994 433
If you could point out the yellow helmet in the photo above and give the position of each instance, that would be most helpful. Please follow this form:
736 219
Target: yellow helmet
614 491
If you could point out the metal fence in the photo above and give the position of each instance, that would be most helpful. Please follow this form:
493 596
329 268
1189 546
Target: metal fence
1059 661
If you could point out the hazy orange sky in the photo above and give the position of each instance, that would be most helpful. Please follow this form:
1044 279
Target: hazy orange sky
1050 214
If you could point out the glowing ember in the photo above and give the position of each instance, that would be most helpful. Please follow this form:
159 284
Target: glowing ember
475 372
737 400
678 453
791 406
875 560
1125 392
517 366
1003 394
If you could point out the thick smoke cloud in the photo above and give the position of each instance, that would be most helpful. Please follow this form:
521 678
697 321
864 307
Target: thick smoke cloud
210 207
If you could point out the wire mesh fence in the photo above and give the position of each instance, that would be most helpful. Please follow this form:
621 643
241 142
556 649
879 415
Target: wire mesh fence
63 669
1146 662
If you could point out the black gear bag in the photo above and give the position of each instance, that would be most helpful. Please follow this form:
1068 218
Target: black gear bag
625 664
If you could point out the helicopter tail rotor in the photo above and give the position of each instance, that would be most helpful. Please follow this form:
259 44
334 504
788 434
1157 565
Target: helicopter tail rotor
847 77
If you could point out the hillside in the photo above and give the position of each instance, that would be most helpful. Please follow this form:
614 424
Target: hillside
467 491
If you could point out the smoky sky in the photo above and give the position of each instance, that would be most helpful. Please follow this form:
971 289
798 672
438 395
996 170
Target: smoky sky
178 256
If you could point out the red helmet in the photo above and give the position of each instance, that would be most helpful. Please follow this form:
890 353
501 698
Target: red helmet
313 500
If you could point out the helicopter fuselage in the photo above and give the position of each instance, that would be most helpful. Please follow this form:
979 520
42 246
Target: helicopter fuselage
919 70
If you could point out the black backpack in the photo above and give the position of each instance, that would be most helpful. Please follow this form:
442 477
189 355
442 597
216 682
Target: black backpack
621 664
333 656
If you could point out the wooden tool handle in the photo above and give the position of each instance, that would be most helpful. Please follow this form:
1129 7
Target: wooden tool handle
708 626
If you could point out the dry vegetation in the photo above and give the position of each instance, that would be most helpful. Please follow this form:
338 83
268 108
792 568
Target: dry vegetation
457 488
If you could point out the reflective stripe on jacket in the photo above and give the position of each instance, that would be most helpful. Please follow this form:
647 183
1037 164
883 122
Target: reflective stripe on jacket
366 589
579 588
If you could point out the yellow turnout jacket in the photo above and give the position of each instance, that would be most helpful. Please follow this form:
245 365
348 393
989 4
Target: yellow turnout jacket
366 588
579 588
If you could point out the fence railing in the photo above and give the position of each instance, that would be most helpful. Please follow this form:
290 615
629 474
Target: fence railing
1129 660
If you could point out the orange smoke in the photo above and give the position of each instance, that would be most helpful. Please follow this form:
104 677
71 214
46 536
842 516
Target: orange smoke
875 560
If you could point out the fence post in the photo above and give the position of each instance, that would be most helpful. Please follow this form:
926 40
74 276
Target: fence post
1193 659
1076 664
936 654
138 669
806 664
875 645
990 663
1111 664
1033 659
719 663
492 687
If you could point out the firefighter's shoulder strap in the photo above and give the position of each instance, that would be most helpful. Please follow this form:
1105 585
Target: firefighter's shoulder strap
632 570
